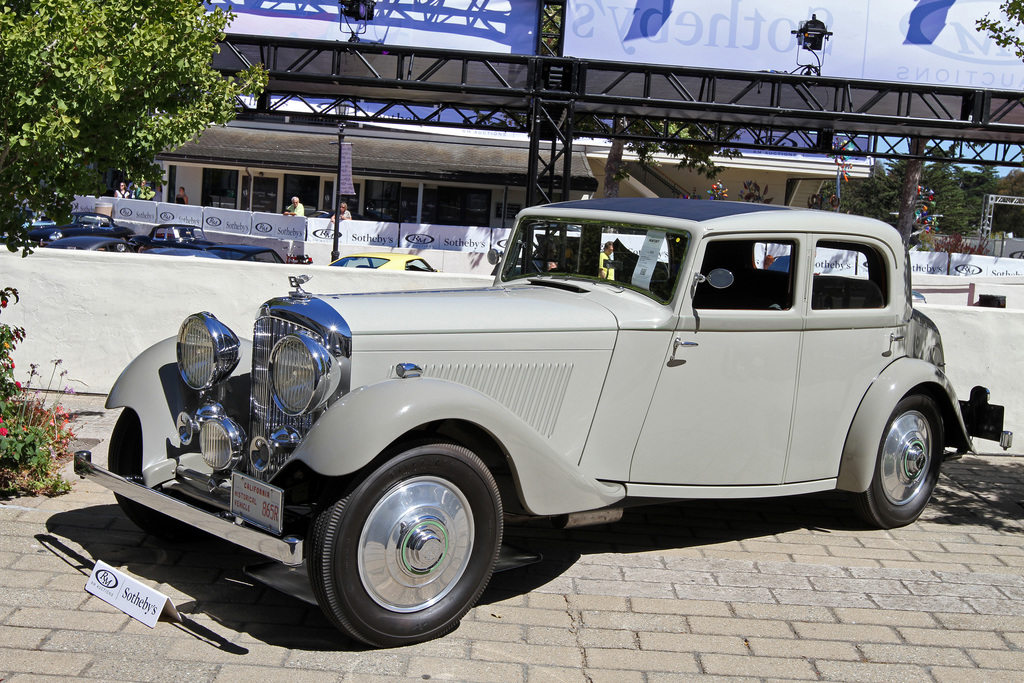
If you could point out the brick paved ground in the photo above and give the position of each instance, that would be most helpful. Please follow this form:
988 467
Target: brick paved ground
787 589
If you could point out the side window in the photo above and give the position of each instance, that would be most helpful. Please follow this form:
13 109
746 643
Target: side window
762 270
848 276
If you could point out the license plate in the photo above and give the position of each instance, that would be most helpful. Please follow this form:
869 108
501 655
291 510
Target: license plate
255 502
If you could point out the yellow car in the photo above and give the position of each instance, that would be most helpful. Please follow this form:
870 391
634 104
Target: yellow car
385 261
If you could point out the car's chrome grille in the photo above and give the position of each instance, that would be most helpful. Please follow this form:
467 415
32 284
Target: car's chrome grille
266 417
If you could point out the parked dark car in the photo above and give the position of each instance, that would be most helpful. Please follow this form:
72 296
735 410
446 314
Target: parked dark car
35 220
179 251
171 234
245 252
93 243
231 252
82 223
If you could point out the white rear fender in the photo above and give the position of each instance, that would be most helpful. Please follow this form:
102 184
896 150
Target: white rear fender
904 377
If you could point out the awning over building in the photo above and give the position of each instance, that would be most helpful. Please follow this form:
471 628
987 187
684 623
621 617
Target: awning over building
390 154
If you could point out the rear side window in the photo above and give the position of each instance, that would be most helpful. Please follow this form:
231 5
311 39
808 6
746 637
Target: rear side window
848 276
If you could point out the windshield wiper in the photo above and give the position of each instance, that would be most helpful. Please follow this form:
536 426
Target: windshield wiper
558 282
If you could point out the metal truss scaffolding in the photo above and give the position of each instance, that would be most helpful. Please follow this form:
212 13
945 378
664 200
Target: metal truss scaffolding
554 99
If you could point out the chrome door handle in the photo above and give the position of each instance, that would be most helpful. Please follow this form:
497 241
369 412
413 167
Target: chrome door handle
893 338
676 343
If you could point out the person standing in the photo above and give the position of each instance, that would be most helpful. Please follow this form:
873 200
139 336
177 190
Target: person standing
602 259
122 192
144 191
181 197
295 208
343 211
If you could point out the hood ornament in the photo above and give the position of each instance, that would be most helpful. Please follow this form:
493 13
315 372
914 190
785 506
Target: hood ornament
297 281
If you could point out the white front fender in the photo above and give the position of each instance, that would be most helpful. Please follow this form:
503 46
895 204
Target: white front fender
364 422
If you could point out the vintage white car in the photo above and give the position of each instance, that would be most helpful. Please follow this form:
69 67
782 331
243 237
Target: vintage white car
629 350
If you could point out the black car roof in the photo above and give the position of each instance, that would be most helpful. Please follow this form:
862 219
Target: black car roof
247 248
179 226
686 209
85 239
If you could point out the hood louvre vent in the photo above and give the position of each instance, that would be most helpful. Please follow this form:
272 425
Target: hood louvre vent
532 391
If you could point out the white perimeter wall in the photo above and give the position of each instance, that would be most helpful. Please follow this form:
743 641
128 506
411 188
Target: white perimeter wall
97 311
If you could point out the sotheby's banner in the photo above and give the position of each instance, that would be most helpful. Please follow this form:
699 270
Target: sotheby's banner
916 41
503 26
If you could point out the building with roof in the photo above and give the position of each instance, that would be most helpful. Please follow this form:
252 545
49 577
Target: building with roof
410 174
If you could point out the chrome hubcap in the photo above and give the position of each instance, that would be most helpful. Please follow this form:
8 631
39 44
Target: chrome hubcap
416 544
905 458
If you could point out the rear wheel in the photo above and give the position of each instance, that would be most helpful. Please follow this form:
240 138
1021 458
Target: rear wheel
125 458
907 466
403 554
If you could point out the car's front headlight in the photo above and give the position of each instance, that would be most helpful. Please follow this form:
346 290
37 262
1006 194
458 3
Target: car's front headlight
207 350
303 374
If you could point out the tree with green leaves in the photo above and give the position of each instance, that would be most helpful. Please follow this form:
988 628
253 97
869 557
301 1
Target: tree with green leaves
684 146
89 86
1006 30
1008 217
959 193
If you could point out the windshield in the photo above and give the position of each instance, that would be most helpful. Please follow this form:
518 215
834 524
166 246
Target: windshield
646 259
360 262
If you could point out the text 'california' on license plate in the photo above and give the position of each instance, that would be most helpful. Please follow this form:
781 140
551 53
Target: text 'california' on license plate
255 502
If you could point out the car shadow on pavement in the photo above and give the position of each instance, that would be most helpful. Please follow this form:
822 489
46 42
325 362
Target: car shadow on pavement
207 577
974 493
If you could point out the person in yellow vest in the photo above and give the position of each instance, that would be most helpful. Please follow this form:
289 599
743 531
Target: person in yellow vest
606 273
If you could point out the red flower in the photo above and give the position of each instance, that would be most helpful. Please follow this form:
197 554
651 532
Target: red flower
3 431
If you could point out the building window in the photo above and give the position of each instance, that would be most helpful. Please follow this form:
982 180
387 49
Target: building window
410 197
220 188
381 200
305 187
457 206
264 195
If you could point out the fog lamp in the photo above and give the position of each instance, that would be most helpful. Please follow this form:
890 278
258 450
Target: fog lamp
221 442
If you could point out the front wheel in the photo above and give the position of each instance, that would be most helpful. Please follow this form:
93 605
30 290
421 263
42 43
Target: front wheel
404 553
907 466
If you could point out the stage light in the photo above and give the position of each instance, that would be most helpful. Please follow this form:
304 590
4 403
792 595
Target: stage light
361 10
811 36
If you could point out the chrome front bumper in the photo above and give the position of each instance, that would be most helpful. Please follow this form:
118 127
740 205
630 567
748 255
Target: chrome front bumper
286 550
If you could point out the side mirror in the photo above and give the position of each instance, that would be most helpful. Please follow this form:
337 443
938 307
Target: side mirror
493 256
719 278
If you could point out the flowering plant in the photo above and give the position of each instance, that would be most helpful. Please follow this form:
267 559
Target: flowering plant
35 438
